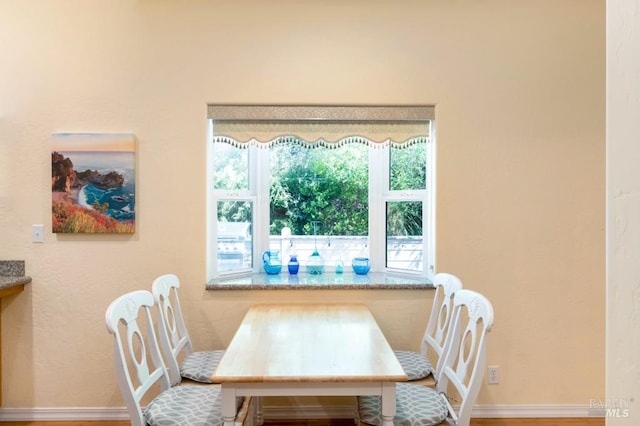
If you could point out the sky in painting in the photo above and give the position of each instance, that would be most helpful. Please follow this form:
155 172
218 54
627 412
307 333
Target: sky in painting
94 142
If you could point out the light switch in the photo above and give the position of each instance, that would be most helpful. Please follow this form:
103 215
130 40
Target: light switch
37 232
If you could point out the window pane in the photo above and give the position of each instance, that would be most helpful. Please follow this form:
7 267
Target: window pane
231 167
404 235
235 242
328 186
408 167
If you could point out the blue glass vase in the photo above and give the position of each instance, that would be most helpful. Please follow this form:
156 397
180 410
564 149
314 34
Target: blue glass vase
271 262
361 265
293 264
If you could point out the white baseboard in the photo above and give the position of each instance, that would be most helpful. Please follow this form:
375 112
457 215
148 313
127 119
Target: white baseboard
533 411
284 412
62 414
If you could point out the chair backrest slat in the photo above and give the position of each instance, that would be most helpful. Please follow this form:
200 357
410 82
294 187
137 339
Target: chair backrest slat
132 348
465 350
174 337
439 321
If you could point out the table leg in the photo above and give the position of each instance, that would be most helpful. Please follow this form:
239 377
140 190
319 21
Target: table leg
228 405
388 403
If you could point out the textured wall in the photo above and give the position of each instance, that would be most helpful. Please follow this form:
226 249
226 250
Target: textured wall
519 89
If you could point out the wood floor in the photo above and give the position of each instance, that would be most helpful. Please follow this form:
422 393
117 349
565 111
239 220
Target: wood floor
348 422
474 422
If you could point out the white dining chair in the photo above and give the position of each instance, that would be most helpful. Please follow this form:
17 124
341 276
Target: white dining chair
143 377
461 374
425 363
175 341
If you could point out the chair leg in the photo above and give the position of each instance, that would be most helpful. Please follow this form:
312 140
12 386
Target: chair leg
258 408
254 411
245 415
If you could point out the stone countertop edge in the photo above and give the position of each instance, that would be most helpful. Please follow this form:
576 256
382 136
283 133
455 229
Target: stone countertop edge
217 286
374 281
12 274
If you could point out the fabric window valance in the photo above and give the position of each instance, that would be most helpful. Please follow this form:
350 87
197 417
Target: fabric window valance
313 126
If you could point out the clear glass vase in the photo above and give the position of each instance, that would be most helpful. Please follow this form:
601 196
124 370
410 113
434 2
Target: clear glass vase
315 263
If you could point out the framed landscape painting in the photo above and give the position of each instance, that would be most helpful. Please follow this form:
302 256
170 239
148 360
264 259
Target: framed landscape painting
93 183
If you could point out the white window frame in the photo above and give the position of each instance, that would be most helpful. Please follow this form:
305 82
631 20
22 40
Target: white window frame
379 195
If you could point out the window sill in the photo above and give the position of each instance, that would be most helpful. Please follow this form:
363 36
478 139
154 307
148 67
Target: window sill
332 281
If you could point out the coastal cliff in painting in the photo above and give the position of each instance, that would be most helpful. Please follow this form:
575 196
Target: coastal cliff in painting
93 183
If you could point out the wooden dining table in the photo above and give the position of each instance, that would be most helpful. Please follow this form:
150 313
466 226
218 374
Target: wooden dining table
310 349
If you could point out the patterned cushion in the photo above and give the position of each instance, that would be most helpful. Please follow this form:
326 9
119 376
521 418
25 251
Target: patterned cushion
415 405
186 406
414 364
199 366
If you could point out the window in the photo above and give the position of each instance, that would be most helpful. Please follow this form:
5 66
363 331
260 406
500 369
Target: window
343 182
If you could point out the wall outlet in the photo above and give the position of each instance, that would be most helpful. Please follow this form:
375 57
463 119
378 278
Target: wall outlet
493 375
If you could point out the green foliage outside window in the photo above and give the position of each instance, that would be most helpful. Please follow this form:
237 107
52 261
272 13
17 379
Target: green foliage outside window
331 186
325 185
408 168
407 172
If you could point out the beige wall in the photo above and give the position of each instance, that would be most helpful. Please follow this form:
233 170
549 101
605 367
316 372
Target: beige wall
519 89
